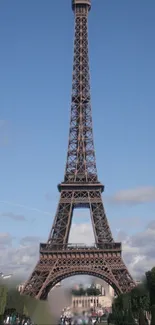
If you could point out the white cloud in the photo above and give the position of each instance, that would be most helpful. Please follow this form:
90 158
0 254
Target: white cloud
135 196
20 260
13 216
30 240
5 239
138 250
82 234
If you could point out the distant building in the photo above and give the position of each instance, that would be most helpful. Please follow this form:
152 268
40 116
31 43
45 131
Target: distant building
111 291
105 290
91 302
98 286
101 288
101 302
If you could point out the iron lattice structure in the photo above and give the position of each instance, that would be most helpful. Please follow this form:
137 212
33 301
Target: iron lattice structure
80 188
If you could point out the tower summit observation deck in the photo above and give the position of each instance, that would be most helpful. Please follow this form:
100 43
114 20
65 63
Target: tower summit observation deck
81 3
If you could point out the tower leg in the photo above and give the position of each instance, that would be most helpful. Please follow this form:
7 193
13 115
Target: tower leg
60 230
99 218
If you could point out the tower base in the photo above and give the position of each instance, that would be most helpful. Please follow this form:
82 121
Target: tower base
62 262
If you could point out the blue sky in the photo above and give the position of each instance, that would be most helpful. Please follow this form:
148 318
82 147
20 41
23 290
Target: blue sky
35 81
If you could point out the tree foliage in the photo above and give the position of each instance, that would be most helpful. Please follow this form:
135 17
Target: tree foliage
150 281
150 277
12 302
20 304
142 318
92 291
118 303
3 298
129 318
15 301
139 299
132 306
152 314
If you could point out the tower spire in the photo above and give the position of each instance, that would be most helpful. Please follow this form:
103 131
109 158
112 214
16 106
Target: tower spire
81 162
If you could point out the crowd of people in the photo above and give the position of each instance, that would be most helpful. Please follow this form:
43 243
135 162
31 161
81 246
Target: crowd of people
80 320
14 319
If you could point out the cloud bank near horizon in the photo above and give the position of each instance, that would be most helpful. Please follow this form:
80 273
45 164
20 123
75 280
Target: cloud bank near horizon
138 250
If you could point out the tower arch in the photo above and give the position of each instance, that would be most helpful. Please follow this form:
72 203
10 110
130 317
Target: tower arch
62 276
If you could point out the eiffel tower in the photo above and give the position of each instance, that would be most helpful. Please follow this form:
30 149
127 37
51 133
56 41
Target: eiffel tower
80 188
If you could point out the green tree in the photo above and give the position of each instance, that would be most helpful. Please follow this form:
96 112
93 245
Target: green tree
126 301
132 305
110 318
117 311
142 318
140 301
119 317
79 292
15 301
150 280
118 303
3 299
153 315
130 318
93 291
